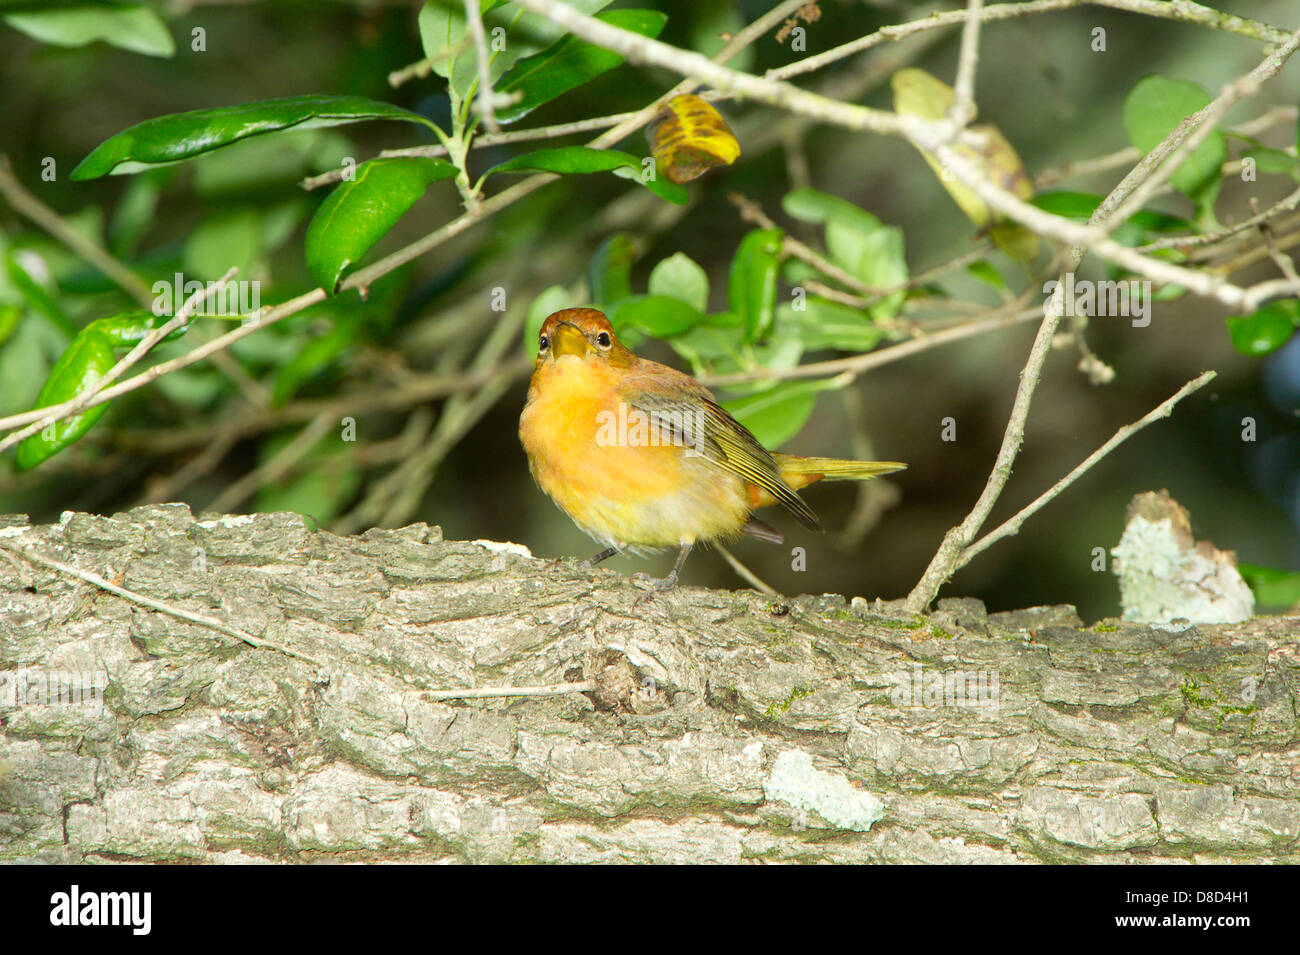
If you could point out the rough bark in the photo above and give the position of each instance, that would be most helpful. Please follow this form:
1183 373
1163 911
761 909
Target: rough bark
727 727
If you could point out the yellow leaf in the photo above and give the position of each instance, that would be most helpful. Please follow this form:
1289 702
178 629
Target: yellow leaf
917 93
689 138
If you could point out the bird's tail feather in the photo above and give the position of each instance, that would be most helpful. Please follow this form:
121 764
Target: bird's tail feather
800 472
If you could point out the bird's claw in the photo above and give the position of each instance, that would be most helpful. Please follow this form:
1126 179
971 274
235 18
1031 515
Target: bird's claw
656 588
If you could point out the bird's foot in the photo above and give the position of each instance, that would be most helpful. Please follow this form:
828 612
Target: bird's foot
656 588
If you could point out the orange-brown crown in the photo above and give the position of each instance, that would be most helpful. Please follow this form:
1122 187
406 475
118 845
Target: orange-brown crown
590 322
583 333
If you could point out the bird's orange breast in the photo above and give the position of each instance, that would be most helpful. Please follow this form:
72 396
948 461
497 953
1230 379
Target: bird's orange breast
589 449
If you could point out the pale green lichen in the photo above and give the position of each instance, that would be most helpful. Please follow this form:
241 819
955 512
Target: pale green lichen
796 782
1163 579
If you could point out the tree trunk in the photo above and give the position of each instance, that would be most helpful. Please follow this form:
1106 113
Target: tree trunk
719 726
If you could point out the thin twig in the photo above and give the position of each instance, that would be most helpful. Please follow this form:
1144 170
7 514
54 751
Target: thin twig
1277 116
486 108
84 400
90 250
492 692
963 103
1284 262
274 467
264 318
1289 204
1012 525
1177 10
744 572
1203 123
412 71
180 613
858 364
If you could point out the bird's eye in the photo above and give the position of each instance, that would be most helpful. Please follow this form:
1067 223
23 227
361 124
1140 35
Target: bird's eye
543 343
603 340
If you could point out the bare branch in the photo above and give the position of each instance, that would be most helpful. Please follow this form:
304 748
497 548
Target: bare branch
1013 524
963 105
1178 10
486 108
49 220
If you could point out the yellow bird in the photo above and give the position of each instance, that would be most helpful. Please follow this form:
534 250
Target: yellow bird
642 456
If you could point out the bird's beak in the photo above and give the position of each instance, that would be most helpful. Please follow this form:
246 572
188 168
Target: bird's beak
569 340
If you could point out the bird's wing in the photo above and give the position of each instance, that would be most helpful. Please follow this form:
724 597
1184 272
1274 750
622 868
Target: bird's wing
686 413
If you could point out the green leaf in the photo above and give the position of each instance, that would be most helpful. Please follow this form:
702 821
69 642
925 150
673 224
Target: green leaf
680 276
1267 329
223 240
447 44
659 316
751 284
445 37
1081 205
315 358
812 205
359 213
85 361
712 24
1153 109
126 329
1160 222
182 136
24 361
609 274
1272 587
10 316
826 324
1272 161
551 300
778 413
712 345
1070 205
987 274
569 64
857 241
569 160
875 257
31 276
134 215
131 26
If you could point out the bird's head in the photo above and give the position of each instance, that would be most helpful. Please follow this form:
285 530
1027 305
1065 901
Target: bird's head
583 333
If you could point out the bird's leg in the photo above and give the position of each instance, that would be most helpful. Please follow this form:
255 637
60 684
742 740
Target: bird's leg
669 582
605 554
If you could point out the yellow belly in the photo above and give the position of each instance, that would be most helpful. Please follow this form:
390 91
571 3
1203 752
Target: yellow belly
617 488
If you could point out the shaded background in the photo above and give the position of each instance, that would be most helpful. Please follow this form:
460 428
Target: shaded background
1039 81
